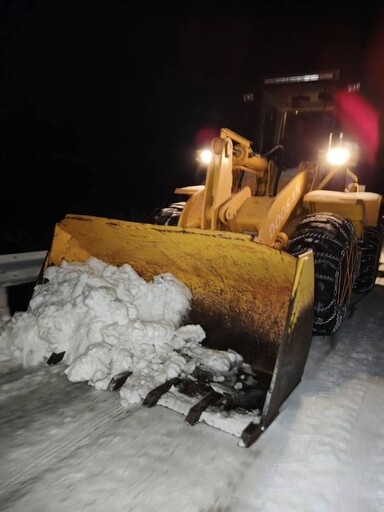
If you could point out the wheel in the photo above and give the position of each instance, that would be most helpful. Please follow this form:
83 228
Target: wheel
169 216
333 242
370 247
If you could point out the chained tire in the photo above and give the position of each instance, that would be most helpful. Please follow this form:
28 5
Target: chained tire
169 216
370 250
332 239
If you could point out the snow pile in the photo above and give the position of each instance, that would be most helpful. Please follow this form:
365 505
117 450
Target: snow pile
109 320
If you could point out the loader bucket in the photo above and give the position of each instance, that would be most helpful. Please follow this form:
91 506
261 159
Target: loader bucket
247 296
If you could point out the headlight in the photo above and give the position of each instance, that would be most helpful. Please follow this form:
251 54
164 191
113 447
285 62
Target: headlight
343 153
204 156
338 156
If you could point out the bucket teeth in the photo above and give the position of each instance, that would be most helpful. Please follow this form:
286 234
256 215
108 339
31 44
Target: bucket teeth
118 381
253 430
155 394
196 410
246 394
55 358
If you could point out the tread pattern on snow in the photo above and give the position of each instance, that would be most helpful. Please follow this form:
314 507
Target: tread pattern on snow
47 455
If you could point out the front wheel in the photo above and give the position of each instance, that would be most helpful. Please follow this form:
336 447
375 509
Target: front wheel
169 216
332 239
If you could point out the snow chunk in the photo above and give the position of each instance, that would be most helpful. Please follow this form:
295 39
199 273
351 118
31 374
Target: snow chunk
108 320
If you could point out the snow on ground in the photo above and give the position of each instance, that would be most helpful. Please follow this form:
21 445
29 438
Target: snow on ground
71 446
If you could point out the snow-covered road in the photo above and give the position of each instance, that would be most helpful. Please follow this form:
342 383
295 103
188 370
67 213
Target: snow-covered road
70 447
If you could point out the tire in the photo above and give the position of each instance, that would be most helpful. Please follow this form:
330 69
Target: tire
333 242
169 216
370 247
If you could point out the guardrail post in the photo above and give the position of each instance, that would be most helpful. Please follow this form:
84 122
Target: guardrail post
5 313
18 268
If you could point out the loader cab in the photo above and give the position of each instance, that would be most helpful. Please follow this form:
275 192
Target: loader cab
305 134
297 112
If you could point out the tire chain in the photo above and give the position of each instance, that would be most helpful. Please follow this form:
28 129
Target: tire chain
331 237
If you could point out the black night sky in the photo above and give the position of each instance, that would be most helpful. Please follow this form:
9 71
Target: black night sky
102 100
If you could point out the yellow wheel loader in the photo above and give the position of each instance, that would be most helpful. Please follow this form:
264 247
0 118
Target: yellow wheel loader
270 258
316 205
340 226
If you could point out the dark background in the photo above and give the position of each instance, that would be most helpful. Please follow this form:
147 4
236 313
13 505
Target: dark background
102 101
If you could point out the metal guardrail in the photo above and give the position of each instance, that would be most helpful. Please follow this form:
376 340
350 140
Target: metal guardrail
18 268
21 267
